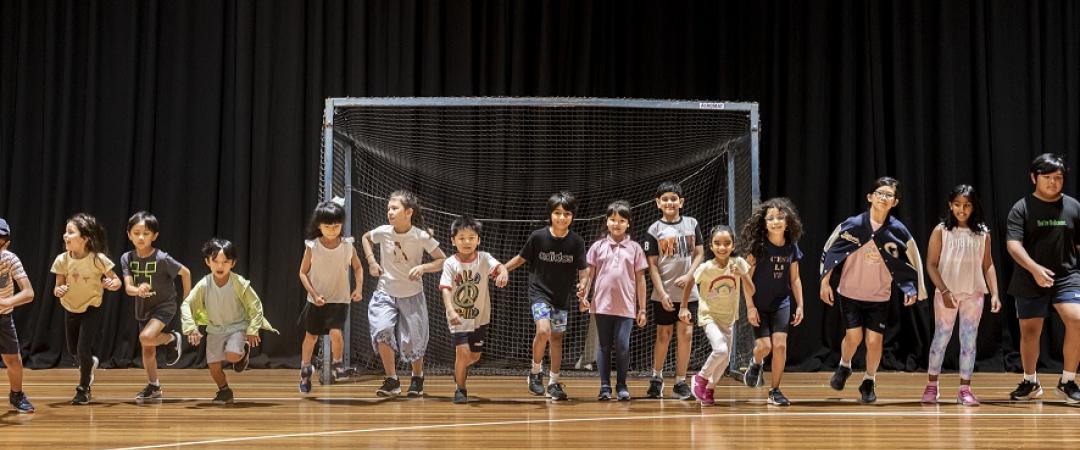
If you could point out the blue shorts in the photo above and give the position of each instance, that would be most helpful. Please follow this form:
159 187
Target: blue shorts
544 311
1039 307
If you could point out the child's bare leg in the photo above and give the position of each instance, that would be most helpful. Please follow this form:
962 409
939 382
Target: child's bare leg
386 355
660 349
218 374
540 341
684 340
337 345
556 342
308 348
779 358
14 366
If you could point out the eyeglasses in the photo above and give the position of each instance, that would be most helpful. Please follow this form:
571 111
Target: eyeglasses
885 195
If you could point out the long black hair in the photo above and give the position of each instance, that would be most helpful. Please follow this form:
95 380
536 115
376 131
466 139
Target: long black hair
325 213
975 221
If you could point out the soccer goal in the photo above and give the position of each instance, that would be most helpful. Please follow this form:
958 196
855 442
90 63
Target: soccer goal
499 159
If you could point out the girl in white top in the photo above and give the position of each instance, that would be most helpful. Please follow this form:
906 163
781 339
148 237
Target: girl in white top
397 314
325 276
961 268
82 271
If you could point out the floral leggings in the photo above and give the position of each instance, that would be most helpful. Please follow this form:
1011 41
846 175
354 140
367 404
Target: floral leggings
969 308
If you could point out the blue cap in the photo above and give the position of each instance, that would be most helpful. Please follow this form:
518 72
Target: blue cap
4 228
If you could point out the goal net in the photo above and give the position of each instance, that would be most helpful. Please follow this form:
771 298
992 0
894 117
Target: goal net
499 159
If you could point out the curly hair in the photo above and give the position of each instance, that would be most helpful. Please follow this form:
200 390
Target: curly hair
753 231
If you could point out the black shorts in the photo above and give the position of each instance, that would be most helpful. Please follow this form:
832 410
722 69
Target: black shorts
869 315
319 320
773 322
164 311
474 338
665 317
9 341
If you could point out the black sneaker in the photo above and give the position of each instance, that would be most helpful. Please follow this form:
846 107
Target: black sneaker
82 396
416 387
305 379
622 392
341 373
1027 390
656 388
223 397
866 389
682 391
839 378
148 392
556 393
20 402
242 364
173 349
391 387
536 383
776 398
605 394
461 396
752 377
1069 391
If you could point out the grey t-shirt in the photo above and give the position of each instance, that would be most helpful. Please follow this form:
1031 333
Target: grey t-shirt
159 270
672 243
224 312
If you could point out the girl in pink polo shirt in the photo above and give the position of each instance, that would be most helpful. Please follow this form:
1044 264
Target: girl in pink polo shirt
617 266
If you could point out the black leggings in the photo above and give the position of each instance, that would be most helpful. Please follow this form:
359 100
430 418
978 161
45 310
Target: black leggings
80 330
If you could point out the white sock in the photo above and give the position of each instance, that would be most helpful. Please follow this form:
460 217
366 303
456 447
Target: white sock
553 378
537 367
658 374
1031 378
846 364
156 383
680 378
1067 376
870 377
421 374
394 376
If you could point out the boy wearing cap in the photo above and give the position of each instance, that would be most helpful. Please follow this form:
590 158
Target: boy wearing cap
11 273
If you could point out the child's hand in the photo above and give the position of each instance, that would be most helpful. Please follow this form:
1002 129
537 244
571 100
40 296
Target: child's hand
684 280
910 300
583 304
194 338
1043 277
416 272
947 300
665 302
736 270
753 317
61 290
995 304
357 295
112 284
795 321
144 290
453 317
684 315
253 340
641 319
319 300
826 293
501 280
374 270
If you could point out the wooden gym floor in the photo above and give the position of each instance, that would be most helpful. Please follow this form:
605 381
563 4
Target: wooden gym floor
501 414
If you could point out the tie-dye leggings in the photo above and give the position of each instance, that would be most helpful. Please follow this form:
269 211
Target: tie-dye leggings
970 308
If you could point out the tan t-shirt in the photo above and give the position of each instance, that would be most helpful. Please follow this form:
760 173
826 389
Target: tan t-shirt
719 289
84 279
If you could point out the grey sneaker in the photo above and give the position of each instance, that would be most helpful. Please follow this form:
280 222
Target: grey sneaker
148 392
656 388
416 387
752 377
682 391
536 383
223 397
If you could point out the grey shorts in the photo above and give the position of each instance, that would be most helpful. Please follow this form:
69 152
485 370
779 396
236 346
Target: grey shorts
218 344
401 323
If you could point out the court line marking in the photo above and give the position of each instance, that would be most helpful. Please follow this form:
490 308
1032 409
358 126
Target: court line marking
582 419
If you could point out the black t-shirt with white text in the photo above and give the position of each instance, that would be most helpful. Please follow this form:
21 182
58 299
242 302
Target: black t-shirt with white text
553 265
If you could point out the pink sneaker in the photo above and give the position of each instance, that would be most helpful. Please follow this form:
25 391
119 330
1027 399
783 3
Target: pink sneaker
698 386
930 394
708 400
966 397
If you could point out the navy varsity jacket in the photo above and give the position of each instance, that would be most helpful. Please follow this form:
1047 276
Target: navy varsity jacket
894 243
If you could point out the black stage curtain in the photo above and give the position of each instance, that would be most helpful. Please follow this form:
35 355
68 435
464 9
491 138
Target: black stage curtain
208 113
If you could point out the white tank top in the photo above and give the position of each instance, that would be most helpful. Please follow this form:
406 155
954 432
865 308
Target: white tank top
329 272
961 260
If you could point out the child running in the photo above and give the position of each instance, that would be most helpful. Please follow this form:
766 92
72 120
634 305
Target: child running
771 236
617 264
464 286
880 259
230 309
150 277
556 255
397 314
719 281
82 272
12 273
960 265
324 272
